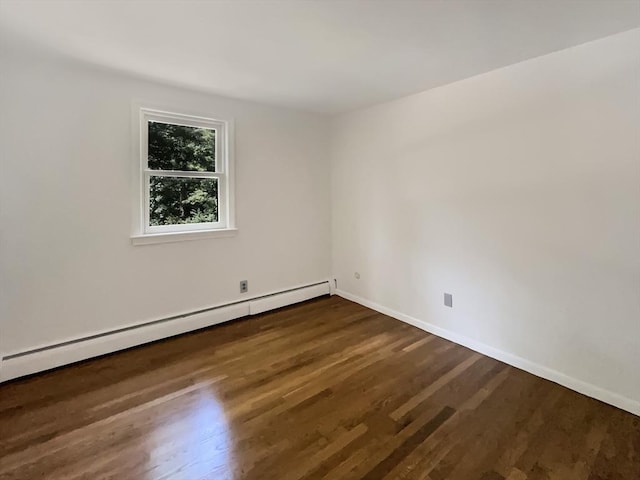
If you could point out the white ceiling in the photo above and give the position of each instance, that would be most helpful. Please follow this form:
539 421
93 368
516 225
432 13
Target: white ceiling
324 56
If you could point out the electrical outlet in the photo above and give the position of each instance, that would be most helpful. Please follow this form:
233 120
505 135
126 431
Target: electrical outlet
448 300
244 286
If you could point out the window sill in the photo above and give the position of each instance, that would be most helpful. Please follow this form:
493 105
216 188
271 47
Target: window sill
151 238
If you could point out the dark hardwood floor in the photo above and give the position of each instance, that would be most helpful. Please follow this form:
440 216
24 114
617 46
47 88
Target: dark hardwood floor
326 389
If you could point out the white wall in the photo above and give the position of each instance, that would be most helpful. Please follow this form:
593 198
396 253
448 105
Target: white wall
67 266
518 191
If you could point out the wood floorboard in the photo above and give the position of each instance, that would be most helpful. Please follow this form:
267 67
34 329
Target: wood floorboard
326 389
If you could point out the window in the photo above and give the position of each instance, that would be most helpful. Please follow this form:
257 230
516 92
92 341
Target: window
185 176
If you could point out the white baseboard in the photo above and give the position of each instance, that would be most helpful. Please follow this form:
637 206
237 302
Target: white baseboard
272 302
617 400
18 366
43 358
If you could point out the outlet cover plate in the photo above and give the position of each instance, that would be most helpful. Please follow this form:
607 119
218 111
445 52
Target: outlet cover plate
448 300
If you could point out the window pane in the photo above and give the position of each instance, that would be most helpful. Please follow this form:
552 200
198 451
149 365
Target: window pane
176 147
182 200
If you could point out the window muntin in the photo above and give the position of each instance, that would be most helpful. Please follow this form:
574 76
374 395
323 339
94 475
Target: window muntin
184 166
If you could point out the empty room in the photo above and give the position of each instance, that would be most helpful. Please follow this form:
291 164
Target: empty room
320 239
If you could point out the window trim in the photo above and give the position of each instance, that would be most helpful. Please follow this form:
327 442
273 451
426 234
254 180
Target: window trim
224 173
171 237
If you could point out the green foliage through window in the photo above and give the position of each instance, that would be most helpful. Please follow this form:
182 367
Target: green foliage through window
177 147
182 200
179 200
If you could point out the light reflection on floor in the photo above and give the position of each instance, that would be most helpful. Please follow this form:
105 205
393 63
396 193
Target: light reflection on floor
193 441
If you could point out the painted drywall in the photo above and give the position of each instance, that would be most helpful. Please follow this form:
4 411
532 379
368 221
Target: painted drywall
518 191
68 268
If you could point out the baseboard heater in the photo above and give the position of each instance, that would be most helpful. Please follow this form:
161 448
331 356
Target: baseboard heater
19 364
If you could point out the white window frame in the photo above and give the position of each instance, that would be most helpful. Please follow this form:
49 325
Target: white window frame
225 226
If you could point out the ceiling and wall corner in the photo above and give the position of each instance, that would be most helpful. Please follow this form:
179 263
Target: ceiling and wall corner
328 57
